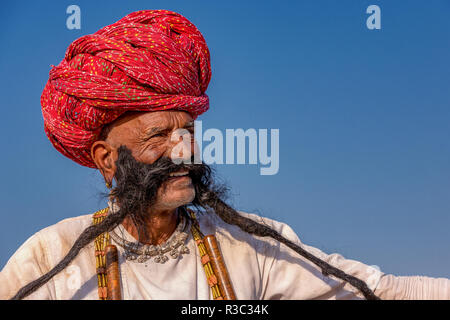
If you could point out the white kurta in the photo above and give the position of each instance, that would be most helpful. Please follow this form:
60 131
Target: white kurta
259 268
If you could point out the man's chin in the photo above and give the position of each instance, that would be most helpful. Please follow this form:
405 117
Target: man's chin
178 183
172 199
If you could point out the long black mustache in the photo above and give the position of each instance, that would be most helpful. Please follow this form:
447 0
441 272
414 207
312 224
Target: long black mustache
136 189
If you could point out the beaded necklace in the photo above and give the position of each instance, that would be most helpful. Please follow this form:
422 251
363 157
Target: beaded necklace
104 239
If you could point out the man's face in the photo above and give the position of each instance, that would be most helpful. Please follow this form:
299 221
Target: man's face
150 136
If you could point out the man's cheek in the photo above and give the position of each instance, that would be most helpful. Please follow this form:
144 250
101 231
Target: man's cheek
151 154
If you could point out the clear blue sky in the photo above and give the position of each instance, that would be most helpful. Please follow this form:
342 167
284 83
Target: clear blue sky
363 117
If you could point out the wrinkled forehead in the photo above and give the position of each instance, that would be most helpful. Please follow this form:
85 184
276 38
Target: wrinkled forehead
137 124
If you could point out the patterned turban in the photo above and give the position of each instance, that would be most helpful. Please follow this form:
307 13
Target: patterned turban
148 61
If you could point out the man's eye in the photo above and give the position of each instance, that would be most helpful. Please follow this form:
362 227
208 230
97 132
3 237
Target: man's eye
157 135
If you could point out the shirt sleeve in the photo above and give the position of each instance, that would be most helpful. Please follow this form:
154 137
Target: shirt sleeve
27 264
293 277
413 288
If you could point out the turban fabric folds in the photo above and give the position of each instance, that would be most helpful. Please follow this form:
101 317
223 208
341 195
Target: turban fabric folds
150 60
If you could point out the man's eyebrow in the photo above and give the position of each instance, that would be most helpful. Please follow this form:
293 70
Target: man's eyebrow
153 131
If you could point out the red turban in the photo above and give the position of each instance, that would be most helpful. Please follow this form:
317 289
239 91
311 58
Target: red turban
148 61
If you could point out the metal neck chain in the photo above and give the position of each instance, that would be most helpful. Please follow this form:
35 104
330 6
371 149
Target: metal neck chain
175 245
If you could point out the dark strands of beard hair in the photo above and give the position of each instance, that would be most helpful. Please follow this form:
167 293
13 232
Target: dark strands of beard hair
136 188
135 191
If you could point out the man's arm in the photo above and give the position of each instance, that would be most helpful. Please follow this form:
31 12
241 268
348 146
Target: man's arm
291 276
413 288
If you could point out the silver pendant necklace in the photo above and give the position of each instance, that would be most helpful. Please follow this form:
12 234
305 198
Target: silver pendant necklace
175 245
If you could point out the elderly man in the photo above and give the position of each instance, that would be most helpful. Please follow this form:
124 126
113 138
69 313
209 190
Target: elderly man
115 103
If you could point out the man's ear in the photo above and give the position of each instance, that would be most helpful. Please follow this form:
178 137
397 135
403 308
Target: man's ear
104 156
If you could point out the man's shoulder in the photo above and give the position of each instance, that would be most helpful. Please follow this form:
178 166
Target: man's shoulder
72 224
213 223
65 232
51 243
